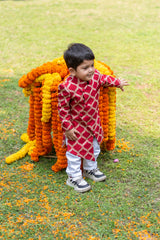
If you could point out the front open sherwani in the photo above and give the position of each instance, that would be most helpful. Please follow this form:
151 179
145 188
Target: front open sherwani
78 106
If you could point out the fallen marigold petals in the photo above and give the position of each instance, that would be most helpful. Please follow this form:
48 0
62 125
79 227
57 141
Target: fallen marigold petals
27 166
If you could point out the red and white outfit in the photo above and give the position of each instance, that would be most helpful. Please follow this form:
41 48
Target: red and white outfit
78 106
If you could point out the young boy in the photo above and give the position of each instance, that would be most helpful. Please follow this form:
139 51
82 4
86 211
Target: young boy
78 101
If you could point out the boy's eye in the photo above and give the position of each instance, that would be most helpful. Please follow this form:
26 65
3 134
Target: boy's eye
88 66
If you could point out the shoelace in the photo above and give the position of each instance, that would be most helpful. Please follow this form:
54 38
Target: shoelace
76 182
93 171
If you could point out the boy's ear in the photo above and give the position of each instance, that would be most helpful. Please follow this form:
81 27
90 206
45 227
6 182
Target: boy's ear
72 71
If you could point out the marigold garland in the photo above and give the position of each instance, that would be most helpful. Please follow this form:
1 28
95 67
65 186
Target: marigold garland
46 98
31 122
25 137
41 85
21 153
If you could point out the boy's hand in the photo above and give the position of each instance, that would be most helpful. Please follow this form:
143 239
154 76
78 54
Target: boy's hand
122 84
71 134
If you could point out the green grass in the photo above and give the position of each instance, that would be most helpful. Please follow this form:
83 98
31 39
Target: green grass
37 204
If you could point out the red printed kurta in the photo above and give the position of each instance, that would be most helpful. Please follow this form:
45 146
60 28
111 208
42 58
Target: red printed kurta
78 106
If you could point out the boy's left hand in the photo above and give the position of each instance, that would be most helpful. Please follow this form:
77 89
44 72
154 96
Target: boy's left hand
123 83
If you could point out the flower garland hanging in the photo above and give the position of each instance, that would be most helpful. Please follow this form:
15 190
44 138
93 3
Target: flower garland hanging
46 98
109 109
31 121
41 85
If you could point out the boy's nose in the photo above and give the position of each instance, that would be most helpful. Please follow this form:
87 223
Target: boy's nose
91 69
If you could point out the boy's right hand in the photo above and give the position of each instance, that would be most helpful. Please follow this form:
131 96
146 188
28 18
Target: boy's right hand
71 134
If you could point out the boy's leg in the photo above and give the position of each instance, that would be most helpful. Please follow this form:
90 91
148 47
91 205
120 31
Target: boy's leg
88 164
90 167
74 173
73 167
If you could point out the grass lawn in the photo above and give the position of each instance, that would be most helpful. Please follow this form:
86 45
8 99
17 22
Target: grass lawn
35 202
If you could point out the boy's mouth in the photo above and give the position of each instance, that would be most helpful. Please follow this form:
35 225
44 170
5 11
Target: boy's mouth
90 75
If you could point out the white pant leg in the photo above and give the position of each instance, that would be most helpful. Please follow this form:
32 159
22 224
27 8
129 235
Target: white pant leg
74 166
88 164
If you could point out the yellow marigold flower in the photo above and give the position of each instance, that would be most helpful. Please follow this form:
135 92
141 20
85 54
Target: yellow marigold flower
20 154
25 137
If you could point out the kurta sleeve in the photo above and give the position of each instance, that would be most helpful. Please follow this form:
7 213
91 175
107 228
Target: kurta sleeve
64 108
109 81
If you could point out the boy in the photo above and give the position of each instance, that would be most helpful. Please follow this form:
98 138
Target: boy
78 100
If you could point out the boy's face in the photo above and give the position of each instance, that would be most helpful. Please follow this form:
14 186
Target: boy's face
84 71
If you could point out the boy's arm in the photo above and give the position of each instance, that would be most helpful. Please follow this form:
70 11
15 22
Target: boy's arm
109 81
64 108
64 113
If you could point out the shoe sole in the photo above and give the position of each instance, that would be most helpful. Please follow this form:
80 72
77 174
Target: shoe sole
80 190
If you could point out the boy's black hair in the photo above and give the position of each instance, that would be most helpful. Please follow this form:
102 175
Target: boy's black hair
76 54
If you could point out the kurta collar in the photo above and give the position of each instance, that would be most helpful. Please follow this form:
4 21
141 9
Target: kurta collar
82 82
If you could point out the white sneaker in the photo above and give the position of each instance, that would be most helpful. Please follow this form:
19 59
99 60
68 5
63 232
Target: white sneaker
94 174
79 185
